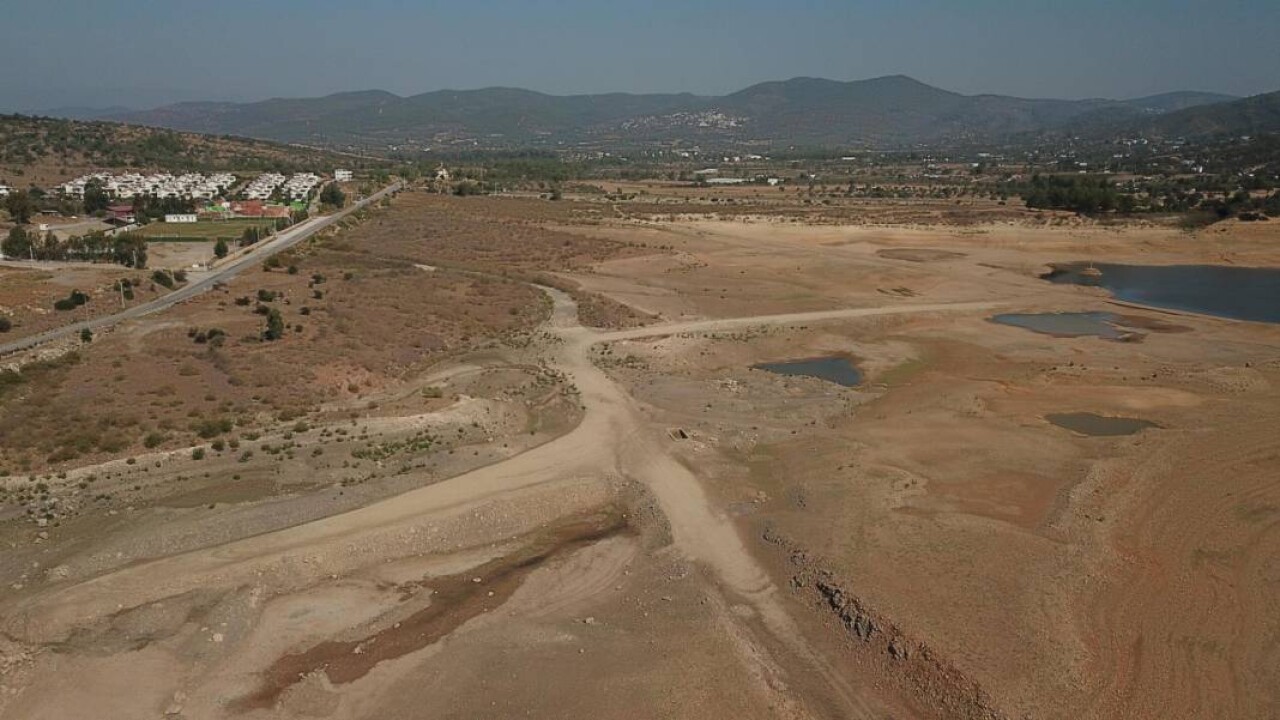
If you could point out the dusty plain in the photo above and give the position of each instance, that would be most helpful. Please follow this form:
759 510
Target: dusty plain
514 461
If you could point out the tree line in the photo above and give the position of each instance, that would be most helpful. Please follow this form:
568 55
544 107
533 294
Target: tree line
128 249
1080 193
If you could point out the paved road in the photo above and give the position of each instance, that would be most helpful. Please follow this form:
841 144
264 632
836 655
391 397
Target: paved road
202 282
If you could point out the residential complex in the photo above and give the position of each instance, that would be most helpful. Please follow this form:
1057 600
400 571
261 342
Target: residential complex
263 186
188 186
191 186
266 185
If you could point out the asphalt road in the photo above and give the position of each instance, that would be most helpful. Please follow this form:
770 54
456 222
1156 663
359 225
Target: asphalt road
202 282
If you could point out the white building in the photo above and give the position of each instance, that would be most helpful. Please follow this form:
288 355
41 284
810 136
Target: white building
180 218
5 190
191 186
343 175
299 186
263 186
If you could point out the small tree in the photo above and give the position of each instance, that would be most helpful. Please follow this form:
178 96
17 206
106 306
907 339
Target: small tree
86 335
20 206
96 199
130 250
332 195
17 244
220 249
275 325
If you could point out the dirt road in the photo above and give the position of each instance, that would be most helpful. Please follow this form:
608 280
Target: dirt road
613 440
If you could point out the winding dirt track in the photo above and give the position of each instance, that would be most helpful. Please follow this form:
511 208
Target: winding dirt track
612 440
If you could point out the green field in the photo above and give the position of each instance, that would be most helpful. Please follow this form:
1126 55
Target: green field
202 231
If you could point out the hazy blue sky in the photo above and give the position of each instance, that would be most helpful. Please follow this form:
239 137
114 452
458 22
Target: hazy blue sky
146 52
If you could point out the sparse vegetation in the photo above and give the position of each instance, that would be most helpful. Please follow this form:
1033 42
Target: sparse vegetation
72 301
275 325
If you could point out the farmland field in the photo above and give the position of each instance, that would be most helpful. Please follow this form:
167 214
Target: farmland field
205 230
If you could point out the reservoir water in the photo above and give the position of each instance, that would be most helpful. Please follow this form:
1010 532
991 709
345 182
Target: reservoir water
1239 293
1066 324
1098 425
837 369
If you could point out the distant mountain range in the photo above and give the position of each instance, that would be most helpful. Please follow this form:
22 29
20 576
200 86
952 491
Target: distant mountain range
888 111
77 112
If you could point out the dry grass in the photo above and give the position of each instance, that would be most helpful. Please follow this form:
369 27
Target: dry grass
27 296
377 320
503 236
488 234
360 316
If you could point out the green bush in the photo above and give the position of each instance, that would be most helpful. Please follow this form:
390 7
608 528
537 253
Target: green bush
275 326
72 301
213 427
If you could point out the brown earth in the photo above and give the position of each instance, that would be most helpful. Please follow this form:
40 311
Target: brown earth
923 545
28 292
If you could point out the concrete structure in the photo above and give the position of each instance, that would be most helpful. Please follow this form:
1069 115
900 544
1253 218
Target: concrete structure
181 218
5 190
343 175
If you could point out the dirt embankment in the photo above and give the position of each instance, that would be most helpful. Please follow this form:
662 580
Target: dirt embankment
933 684
454 599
